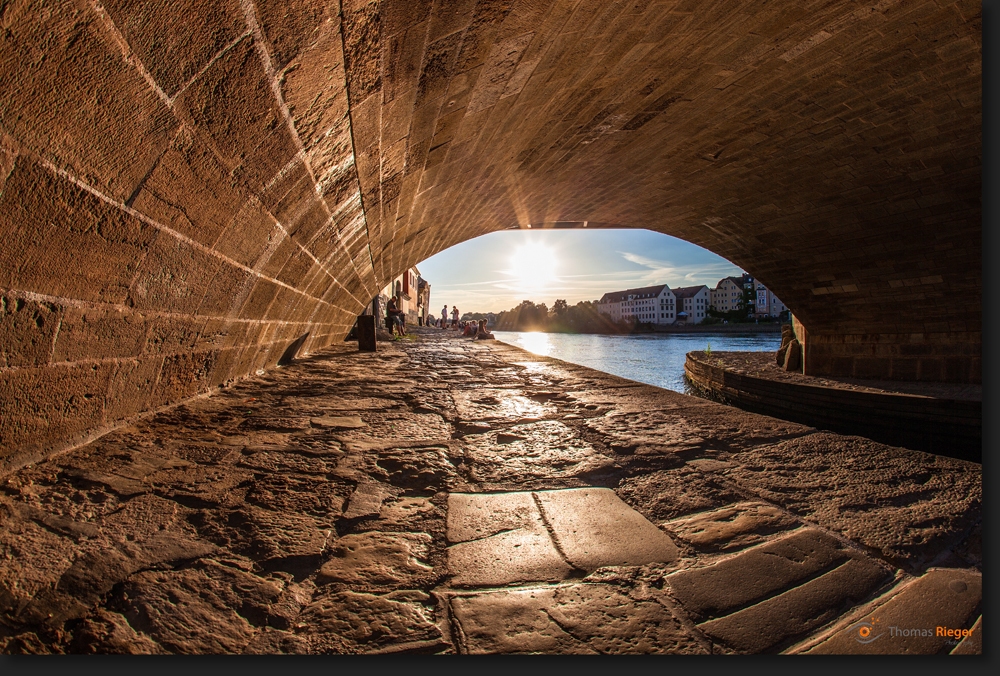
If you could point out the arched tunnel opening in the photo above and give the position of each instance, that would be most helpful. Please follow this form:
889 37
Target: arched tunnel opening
192 193
186 194
179 208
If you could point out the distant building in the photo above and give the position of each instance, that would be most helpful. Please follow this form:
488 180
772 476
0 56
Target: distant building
692 304
649 305
407 287
726 295
423 298
689 304
766 304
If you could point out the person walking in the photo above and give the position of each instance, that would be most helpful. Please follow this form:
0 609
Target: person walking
454 317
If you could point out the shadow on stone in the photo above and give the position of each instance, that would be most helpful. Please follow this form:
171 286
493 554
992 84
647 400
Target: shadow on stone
293 349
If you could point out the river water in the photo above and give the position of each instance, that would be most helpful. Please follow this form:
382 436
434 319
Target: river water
654 359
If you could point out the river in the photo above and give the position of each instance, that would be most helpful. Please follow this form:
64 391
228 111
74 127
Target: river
654 359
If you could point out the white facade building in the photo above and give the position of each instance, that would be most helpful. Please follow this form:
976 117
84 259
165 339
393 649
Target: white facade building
649 305
692 304
688 305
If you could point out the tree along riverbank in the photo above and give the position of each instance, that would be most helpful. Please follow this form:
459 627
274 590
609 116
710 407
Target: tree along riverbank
584 317
645 329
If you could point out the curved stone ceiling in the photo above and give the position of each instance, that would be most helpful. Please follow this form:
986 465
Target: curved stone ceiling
188 188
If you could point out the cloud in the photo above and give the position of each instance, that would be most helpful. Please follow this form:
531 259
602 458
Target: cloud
646 262
492 282
666 272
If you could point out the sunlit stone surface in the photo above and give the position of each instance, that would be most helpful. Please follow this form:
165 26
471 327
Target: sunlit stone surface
194 532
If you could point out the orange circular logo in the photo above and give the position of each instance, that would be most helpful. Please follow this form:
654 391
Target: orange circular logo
864 632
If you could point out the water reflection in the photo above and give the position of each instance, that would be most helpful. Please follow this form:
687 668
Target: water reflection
536 342
653 359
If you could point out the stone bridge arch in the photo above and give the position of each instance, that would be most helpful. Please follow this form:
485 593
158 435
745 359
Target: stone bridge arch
187 188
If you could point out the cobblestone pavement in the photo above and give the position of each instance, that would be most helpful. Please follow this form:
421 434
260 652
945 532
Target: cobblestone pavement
444 495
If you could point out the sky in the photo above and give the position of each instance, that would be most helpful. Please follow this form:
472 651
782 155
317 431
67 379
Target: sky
496 272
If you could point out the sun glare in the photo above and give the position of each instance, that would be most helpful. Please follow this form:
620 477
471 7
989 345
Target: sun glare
533 267
539 343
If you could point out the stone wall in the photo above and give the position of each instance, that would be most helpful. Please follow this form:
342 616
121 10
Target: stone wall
187 189
179 205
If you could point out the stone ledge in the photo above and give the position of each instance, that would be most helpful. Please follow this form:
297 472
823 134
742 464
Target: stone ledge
951 427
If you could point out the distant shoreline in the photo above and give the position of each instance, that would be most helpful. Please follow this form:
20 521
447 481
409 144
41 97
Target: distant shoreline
696 328
720 328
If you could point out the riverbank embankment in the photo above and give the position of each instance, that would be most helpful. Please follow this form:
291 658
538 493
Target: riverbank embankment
942 418
718 328
447 495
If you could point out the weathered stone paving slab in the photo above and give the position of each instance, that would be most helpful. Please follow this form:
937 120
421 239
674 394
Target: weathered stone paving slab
110 633
405 510
610 395
500 540
354 622
338 422
730 527
841 483
644 433
508 405
581 619
665 495
532 452
796 612
547 535
476 516
198 611
377 560
366 500
594 528
511 557
921 618
381 425
755 574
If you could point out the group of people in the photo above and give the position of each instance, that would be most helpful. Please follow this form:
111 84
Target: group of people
477 330
395 319
472 329
443 322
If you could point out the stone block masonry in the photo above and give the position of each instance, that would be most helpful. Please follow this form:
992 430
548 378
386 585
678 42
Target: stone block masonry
933 417
154 248
466 497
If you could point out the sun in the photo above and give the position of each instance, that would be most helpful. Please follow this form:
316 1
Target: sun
533 267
